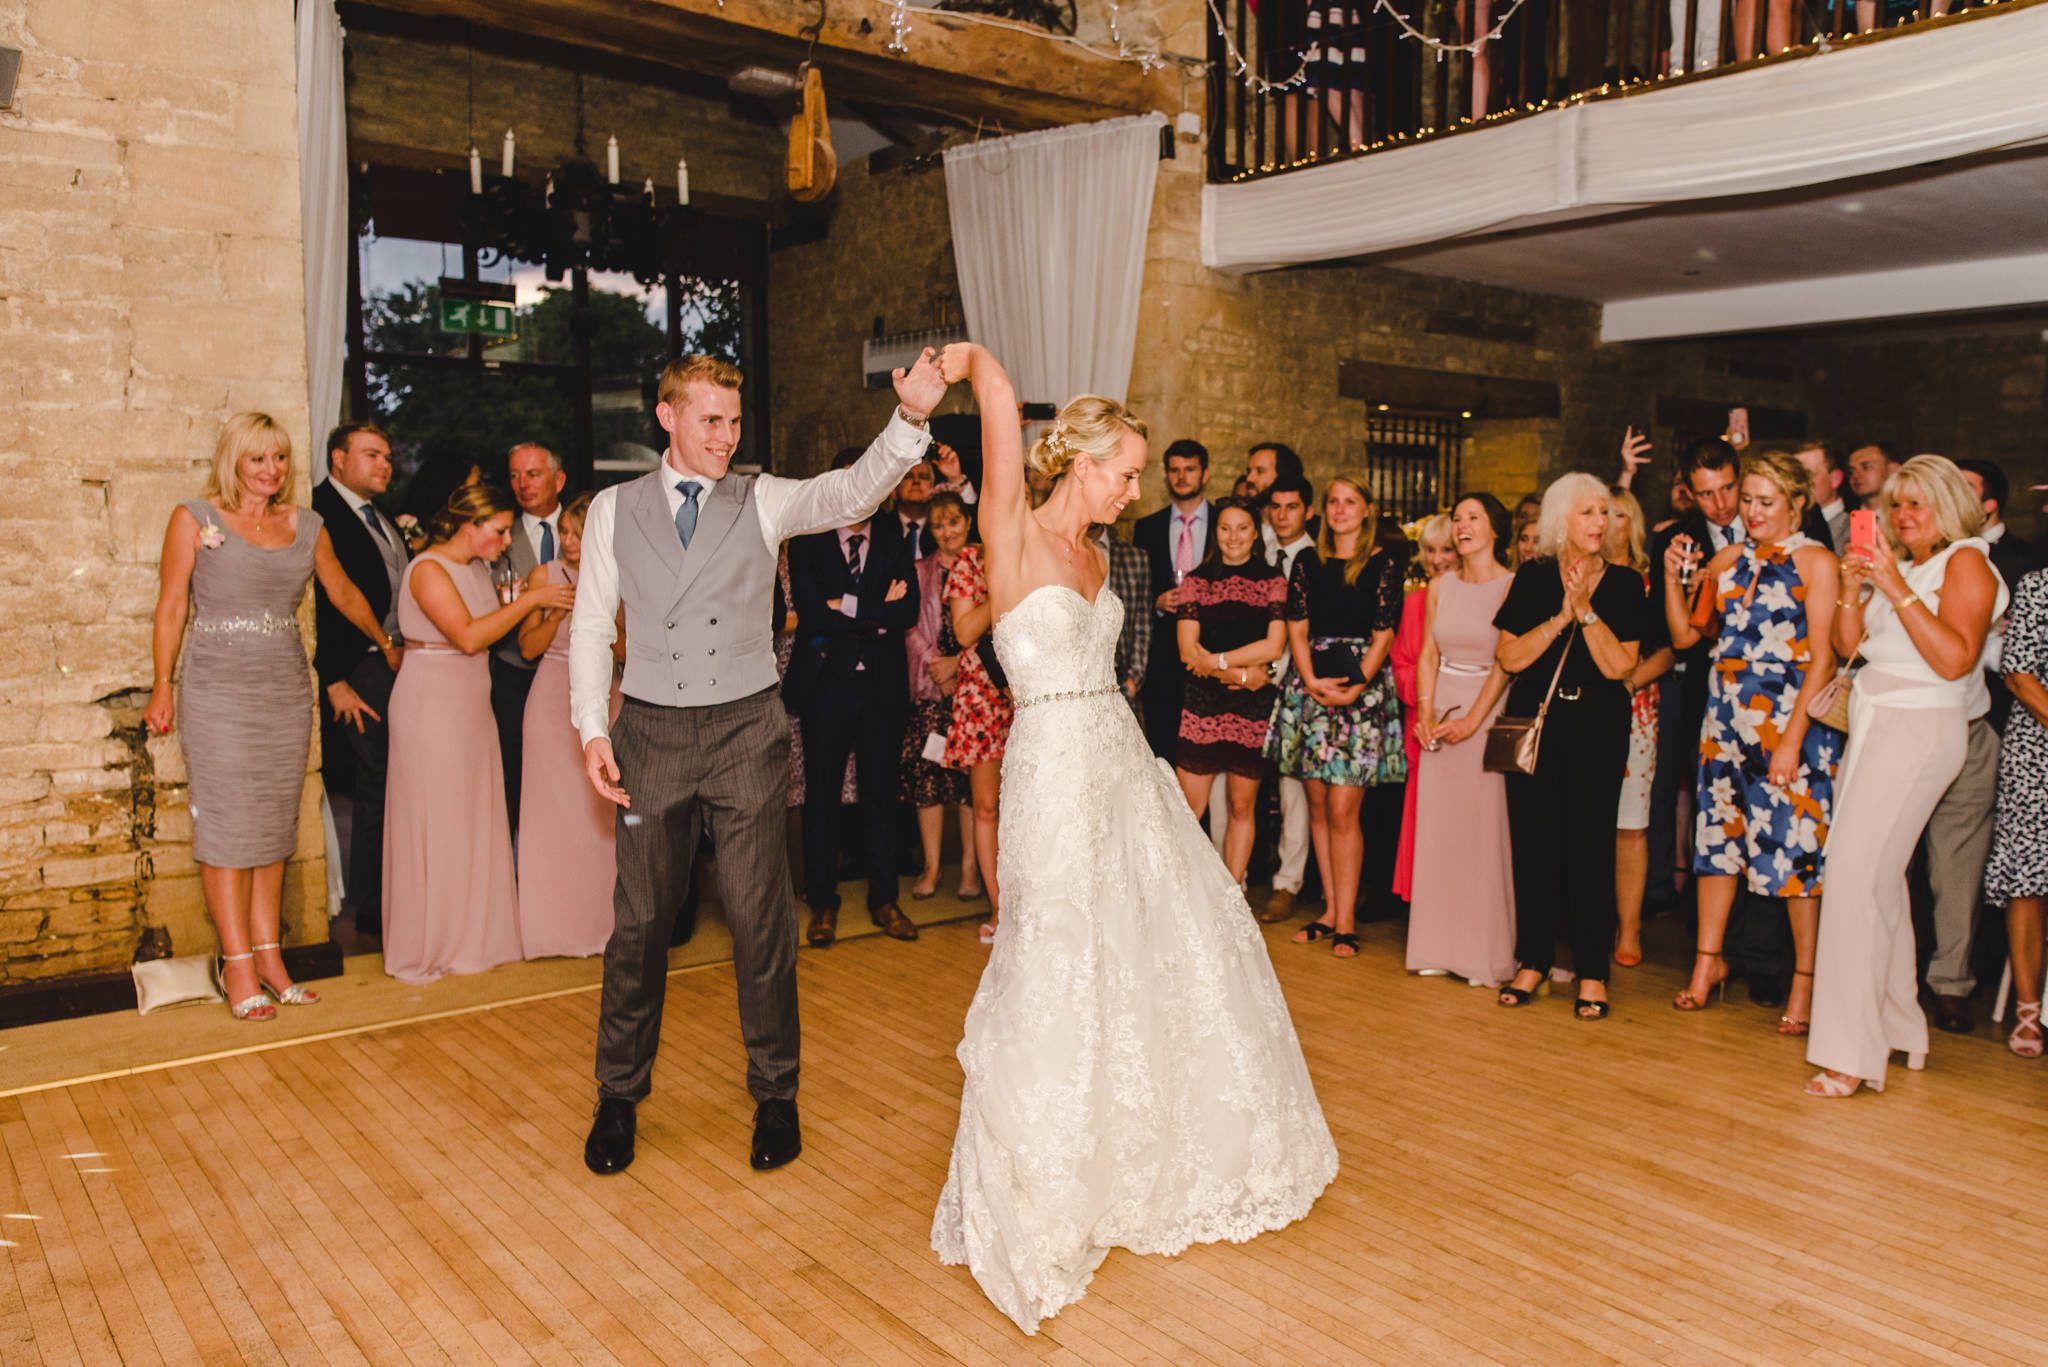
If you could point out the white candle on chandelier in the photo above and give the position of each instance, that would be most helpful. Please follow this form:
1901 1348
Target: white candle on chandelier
611 159
682 181
476 172
505 165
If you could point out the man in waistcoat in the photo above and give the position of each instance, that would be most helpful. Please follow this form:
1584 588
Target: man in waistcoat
702 739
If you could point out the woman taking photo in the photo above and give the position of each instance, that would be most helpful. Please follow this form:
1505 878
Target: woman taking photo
238 557
1435 554
934 658
1230 631
1569 629
1337 726
565 857
1766 787
1917 607
1461 917
450 904
1624 548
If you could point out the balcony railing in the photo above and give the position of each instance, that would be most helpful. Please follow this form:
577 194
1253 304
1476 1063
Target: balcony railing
1300 82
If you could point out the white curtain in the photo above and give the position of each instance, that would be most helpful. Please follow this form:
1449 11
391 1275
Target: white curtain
323 204
1857 111
1049 235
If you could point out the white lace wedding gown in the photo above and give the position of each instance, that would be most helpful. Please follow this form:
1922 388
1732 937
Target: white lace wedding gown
1133 1077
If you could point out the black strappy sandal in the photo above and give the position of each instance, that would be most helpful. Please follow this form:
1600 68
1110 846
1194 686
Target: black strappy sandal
1586 1009
1344 940
1314 931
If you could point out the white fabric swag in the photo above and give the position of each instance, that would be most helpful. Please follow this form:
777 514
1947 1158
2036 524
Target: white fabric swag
1859 110
323 206
1049 236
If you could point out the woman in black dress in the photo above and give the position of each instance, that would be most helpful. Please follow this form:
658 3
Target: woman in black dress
1230 631
1569 605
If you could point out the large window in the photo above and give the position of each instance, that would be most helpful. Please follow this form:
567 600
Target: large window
576 369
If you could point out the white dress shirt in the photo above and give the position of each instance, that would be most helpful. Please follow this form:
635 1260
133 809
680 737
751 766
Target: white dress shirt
785 507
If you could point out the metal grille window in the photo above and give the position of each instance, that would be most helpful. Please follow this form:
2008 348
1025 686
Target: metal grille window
1414 462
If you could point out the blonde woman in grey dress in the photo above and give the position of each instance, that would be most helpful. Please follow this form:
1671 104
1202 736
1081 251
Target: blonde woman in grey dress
237 559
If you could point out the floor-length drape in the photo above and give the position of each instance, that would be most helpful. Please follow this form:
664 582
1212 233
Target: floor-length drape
323 204
1049 234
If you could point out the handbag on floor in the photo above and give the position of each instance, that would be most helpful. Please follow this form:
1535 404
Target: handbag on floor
1512 742
174 982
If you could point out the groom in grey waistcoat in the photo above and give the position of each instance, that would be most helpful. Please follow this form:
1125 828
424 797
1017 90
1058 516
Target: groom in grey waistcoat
702 739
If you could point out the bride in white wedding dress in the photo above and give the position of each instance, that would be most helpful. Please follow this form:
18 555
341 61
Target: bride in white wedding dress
1132 1076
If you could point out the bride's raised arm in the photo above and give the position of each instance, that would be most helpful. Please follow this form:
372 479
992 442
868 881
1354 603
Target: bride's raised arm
1003 506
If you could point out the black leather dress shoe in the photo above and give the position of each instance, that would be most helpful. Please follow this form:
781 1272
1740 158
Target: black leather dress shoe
609 1148
1766 990
776 1137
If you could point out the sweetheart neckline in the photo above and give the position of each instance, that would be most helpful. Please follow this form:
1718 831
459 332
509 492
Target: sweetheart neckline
1091 603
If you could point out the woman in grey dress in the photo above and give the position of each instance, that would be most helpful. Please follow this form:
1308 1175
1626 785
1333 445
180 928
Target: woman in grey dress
238 558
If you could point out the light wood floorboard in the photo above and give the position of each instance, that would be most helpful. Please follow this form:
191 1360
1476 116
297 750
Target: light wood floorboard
1517 1187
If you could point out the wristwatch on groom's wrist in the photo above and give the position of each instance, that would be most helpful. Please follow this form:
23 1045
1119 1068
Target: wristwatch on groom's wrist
914 419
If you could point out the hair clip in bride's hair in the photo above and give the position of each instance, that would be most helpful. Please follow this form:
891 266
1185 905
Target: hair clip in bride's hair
1056 441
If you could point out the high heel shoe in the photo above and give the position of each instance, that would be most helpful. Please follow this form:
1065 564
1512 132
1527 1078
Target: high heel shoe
1832 1087
291 994
1686 1001
252 1008
1588 1008
1795 1026
2026 1016
1510 995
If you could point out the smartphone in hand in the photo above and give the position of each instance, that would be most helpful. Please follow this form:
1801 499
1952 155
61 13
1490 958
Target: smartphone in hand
1863 531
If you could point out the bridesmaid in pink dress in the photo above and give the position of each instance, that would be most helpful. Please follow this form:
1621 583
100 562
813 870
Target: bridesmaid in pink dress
450 905
565 858
1461 917
1433 555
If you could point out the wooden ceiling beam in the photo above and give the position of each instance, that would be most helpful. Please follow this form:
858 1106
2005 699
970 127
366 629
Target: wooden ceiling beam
955 70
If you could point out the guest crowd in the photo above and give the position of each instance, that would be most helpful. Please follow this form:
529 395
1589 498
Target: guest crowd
1805 703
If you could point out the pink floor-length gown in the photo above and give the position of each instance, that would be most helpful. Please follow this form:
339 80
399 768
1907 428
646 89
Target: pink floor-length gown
566 831
1406 652
450 902
1461 916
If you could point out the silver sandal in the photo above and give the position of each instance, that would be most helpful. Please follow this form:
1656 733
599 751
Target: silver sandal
254 1008
291 994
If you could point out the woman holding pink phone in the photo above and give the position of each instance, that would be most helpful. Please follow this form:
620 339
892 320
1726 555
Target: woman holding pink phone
1918 611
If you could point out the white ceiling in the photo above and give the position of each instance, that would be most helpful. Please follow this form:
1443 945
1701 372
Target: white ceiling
1967 209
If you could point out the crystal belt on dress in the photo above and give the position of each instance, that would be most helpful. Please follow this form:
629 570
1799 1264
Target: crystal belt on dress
1067 697
249 624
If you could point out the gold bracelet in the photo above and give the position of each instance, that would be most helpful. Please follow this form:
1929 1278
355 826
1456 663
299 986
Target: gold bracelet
1906 602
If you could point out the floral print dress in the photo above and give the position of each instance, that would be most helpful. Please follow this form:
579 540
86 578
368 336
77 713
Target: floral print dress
1745 823
981 711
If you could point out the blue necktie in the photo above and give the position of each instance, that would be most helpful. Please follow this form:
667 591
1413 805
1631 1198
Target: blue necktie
686 516
547 543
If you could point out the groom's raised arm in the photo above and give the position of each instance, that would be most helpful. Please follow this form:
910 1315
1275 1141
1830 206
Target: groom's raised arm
798 507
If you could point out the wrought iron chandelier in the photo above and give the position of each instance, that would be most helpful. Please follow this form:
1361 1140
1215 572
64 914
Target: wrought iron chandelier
580 218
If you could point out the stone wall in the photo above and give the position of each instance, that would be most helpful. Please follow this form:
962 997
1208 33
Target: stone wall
150 285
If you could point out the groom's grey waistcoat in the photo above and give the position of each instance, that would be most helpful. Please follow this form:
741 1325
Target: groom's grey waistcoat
697 621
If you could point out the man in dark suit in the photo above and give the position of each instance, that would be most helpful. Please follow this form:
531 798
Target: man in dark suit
849 683
1827 517
1958 837
537 481
354 676
1175 539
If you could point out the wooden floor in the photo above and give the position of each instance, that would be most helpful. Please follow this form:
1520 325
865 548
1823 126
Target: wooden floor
1516 1187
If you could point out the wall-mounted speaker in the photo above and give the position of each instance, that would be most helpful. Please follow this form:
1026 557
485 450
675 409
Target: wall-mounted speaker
10 67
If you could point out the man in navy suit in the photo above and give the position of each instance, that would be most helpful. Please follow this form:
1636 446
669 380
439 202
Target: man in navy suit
849 683
354 677
1175 539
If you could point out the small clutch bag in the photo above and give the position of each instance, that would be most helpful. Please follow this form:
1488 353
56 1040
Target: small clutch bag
1337 663
174 982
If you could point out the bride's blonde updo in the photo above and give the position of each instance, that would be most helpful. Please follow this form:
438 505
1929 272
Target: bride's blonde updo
1089 426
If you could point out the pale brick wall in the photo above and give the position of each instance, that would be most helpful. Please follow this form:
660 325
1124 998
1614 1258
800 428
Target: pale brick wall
150 285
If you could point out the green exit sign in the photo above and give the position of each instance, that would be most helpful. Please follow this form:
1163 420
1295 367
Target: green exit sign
476 315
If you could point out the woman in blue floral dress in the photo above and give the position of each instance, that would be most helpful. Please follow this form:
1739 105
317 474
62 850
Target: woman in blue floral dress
1767 770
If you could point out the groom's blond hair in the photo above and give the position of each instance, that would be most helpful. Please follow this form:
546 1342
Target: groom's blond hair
678 374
